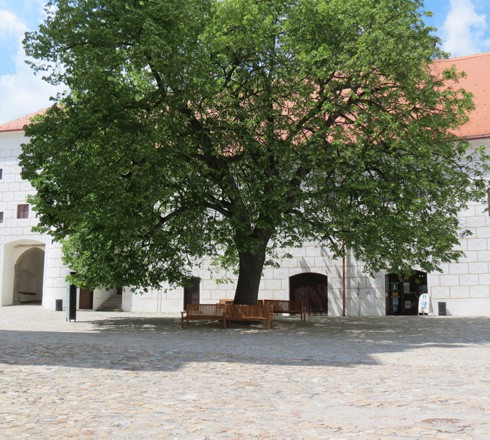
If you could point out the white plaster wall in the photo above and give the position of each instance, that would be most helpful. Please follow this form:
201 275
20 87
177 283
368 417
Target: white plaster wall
464 286
364 295
16 235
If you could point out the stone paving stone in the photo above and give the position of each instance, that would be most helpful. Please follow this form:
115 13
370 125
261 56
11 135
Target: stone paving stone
125 376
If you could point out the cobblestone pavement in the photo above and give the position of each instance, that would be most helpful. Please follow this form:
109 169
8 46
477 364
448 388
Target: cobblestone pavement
140 376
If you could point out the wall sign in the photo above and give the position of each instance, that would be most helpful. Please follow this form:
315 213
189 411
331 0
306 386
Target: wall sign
424 304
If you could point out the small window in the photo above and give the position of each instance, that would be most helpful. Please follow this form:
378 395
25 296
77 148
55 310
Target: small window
1 174
1 217
22 211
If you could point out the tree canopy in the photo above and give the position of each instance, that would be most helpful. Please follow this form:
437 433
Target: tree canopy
232 129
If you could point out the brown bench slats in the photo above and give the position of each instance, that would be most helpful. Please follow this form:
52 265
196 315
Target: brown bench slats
227 313
205 312
283 306
259 312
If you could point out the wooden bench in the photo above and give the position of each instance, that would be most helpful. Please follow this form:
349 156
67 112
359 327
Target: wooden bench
203 312
259 312
283 306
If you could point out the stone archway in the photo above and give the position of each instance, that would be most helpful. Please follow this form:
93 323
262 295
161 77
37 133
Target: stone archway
29 277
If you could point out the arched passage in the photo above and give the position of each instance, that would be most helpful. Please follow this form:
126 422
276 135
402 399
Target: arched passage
29 277
312 289
402 296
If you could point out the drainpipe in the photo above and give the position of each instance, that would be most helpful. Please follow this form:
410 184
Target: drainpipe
343 278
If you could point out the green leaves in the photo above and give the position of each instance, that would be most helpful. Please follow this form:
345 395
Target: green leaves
215 128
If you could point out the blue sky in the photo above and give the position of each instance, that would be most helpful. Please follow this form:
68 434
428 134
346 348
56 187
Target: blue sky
463 26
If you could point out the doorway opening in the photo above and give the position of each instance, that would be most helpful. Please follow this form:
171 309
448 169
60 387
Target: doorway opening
86 299
29 277
192 292
312 289
402 296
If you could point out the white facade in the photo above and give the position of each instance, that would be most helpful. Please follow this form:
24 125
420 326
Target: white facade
32 269
465 285
364 295
31 266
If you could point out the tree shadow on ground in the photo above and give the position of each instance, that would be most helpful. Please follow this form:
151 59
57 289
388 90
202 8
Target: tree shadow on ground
160 344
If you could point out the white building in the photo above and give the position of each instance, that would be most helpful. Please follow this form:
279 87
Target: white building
32 269
31 266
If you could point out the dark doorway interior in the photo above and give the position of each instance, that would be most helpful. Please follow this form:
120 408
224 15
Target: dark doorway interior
402 296
192 292
312 289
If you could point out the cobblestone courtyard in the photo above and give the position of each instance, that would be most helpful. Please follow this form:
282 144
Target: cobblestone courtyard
139 376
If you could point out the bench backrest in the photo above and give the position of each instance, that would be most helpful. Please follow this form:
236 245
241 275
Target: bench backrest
235 311
206 309
283 306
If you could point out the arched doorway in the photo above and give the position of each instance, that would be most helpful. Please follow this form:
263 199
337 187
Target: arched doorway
29 277
312 289
402 296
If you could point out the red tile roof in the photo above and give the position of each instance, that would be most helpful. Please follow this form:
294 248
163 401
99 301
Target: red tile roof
18 124
477 81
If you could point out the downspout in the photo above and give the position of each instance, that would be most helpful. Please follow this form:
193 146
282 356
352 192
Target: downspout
343 278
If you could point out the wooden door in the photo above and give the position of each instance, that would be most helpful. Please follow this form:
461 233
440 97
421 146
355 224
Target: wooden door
192 292
86 300
312 289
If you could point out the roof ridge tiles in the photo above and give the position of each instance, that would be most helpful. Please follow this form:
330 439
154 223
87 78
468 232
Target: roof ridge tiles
19 123
463 57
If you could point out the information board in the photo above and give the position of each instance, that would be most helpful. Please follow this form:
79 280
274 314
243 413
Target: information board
424 304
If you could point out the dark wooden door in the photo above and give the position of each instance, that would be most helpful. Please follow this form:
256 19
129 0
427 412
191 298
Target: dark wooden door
312 289
86 299
192 292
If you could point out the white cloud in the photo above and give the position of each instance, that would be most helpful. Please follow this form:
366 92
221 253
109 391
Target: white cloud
21 92
464 29
10 25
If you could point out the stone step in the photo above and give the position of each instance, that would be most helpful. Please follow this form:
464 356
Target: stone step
112 304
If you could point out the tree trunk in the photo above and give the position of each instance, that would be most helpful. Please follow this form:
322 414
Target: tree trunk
249 274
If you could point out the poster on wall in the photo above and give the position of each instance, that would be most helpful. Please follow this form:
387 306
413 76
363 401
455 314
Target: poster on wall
424 304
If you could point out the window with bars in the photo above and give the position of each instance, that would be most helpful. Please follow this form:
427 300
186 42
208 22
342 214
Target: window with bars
23 211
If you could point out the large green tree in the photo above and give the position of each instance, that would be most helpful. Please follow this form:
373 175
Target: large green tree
230 129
